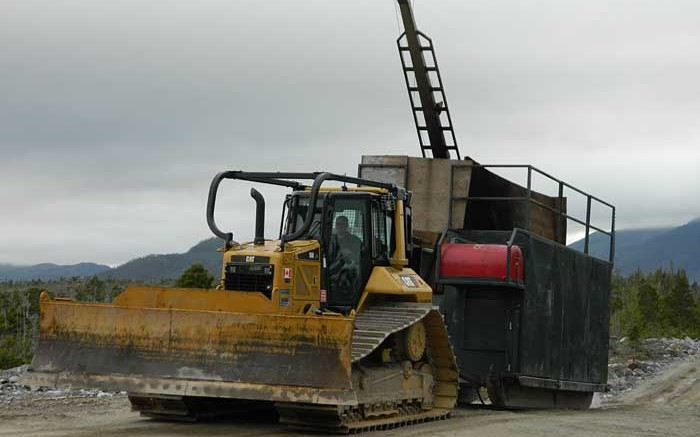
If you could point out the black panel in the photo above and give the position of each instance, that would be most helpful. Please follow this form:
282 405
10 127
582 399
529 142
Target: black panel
479 321
559 330
506 215
250 277
564 333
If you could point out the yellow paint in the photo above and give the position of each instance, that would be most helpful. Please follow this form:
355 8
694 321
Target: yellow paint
186 334
386 281
398 258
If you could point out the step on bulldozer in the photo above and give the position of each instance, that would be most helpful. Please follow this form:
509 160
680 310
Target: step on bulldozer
327 323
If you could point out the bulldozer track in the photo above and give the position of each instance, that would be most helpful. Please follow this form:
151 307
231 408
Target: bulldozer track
372 327
328 419
377 323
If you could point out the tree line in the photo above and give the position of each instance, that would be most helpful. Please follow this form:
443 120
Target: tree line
662 303
19 315
658 304
19 306
19 310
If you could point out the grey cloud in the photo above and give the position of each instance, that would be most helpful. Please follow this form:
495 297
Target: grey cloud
115 115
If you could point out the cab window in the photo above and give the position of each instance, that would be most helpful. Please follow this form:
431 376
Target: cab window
382 226
347 253
299 205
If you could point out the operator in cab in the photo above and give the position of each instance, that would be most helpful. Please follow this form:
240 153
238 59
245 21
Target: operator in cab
348 244
345 252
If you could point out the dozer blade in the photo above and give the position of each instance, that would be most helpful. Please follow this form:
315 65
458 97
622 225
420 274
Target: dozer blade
153 343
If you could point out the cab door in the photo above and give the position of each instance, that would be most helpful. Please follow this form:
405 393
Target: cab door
347 249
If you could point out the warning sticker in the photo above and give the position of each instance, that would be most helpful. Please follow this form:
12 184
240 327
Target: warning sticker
408 281
287 273
323 296
284 298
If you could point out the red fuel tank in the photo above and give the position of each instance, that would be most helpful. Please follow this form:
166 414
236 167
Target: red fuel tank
481 261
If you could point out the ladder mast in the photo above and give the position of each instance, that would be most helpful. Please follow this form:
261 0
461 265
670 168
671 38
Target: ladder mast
426 89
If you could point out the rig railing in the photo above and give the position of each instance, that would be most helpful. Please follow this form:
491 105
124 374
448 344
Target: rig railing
559 210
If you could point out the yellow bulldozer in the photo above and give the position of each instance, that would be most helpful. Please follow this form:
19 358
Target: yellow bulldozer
327 323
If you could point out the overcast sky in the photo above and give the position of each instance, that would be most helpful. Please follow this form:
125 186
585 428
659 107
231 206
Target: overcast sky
115 115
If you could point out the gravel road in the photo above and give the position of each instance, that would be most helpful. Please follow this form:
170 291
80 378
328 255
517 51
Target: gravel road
668 405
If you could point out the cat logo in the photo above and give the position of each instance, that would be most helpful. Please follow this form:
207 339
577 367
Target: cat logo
250 258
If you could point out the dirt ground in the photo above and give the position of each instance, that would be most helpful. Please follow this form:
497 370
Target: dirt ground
668 405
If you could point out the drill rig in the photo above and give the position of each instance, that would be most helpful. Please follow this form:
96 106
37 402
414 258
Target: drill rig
527 316
344 341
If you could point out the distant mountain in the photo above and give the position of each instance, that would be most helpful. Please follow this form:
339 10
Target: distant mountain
48 271
153 268
649 249
679 247
625 242
150 268
646 249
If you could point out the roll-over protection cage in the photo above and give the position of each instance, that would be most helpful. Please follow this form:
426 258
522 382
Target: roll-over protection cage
290 180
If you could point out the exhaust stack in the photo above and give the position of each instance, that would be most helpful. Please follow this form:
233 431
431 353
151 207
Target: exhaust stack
259 216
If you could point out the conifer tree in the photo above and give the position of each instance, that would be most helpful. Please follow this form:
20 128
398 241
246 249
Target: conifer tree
195 277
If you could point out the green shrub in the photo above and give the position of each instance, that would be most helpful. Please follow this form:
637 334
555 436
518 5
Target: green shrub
195 277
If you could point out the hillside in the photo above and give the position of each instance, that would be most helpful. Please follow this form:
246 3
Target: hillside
48 271
649 249
150 268
154 268
679 247
646 249
626 242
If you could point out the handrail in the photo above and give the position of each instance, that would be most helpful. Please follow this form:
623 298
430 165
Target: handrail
530 200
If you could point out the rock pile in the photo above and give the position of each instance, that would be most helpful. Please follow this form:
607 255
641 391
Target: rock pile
629 365
10 385
12 389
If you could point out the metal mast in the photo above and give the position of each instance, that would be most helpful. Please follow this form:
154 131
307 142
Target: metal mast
428 101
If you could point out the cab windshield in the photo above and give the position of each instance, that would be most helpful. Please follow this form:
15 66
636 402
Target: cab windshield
298 206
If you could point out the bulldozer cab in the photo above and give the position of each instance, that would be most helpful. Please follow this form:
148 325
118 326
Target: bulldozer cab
354 229
357 228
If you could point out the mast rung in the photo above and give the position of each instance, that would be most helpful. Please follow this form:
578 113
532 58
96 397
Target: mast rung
426 68
420 108
406 49
432 88
444 128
